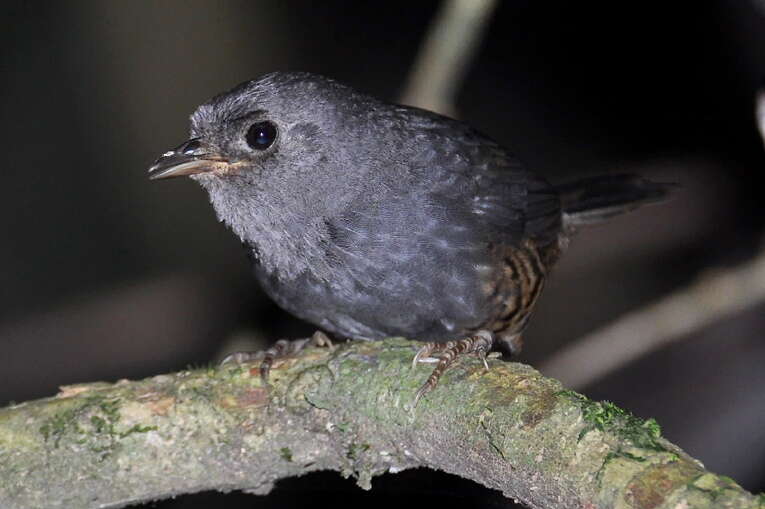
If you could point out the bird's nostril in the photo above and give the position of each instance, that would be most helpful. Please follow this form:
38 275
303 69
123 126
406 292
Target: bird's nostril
191 146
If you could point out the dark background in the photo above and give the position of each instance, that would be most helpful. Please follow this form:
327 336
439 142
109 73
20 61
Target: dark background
106 275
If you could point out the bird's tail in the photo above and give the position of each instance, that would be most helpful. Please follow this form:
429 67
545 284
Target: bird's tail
595 199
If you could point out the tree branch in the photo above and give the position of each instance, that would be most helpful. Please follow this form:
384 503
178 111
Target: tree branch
511 429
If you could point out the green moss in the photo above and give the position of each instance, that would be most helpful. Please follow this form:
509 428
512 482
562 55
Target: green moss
355 450
286 454
99 424
714 486
93 422
617 454
208 367
628 455
634 433
197 392
58 424
137 428
234 370
110 416
606 417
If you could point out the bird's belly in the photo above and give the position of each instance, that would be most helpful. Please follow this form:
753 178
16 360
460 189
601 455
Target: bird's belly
436 306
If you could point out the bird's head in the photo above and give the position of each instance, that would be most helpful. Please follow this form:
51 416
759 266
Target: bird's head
283 126
281 153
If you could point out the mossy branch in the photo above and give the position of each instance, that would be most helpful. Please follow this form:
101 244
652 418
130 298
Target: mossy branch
348 409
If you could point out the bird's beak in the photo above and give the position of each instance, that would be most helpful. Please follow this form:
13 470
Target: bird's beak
189 158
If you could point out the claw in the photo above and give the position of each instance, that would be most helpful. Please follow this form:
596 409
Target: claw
420 393
482 356
241 357
423 353
318 338
478 344
280 349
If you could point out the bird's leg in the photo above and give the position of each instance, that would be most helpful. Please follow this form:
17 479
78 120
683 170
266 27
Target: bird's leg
423 355
281 349
479 344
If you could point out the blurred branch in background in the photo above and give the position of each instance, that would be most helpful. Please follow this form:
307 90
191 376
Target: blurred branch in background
759 113
711 298
449 47
714 296
130 330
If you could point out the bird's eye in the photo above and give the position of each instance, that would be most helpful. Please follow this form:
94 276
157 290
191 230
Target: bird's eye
261 135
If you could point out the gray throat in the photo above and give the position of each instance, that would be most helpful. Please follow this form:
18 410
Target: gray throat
286 242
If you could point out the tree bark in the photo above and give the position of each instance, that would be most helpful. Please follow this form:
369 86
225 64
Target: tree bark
347 409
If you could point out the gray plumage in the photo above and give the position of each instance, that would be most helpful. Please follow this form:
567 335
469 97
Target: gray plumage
371 219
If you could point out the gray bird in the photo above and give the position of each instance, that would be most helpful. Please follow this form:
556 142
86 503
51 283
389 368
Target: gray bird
370 219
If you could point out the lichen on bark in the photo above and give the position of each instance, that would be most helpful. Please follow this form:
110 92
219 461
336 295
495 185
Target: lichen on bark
347 409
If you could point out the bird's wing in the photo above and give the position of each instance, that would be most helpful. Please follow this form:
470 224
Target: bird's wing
502 198
412 246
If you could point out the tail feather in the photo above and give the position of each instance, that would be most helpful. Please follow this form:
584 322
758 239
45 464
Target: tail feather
595 199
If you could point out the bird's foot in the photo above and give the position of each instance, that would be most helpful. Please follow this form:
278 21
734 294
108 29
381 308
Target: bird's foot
281 349
444 354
